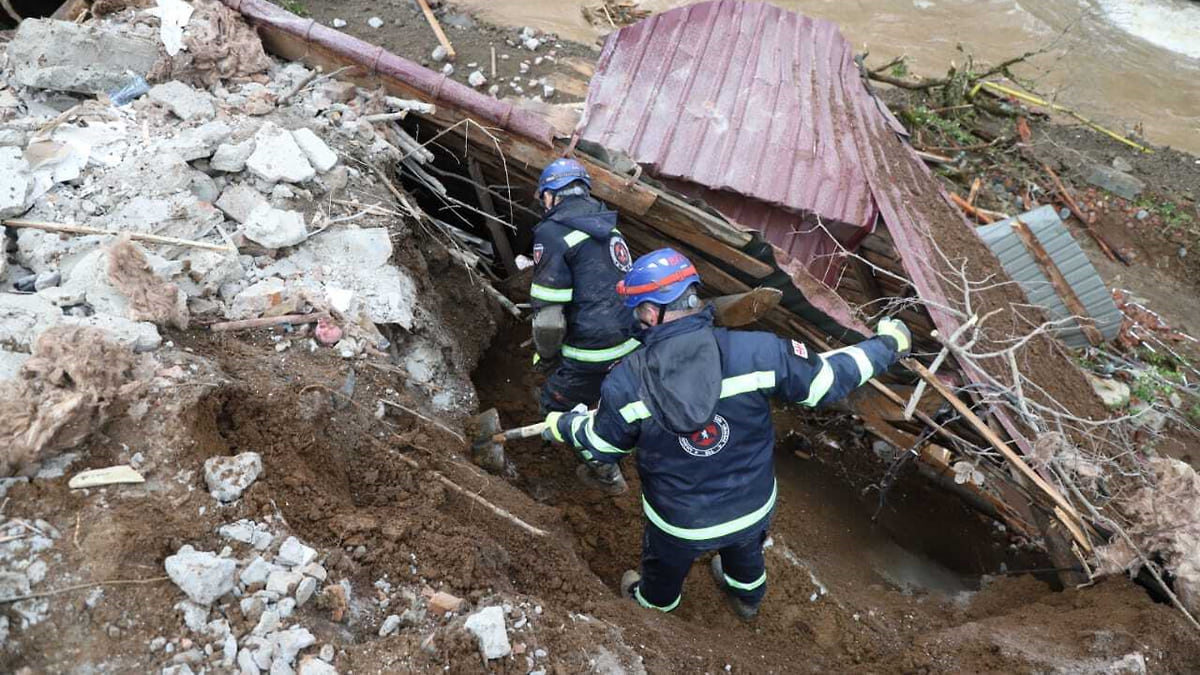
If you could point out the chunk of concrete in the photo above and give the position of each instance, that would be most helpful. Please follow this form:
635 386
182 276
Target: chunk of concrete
310 665
277 157
228 477
16 182
258 298
390 625
24 317
199 142
186 102
488 625
10 364
294 553
283 582
1114 393
257 571
318 153
231 157
288 643
239 201
85 58
140 336
275 228
1119 183
202 575
247 532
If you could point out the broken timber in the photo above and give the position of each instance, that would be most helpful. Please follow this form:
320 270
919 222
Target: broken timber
517 145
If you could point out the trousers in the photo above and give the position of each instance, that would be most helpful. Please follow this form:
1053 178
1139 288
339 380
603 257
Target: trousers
665 565
572 383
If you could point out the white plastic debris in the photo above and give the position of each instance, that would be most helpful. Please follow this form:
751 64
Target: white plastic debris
375 22
173 16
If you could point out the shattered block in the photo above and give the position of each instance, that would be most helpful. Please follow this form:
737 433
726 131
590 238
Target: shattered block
15 182
1117 182
277 157
24 317
231 157
184 101
275 228
83 58
318 153
228 477
239 201
488 625
200 142
202 575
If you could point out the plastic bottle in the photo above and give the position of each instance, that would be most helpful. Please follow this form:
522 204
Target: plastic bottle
136 88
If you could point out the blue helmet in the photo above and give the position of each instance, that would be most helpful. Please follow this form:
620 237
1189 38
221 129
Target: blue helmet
659 277
561 173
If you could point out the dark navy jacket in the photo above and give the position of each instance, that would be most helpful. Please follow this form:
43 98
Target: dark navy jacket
580 256
695 402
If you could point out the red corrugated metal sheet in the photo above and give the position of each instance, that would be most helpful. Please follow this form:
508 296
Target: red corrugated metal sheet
744 99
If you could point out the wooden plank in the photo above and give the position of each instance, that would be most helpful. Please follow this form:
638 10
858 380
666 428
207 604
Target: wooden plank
1061 286
499 235
437 30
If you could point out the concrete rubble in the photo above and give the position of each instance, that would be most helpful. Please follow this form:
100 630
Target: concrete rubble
228 477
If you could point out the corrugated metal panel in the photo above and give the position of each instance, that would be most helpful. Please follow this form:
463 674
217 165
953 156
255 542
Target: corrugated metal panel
743 99
1070 259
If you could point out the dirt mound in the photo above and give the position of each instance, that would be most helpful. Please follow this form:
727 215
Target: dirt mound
71 385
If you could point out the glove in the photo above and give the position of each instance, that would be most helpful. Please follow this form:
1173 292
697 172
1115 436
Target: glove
544 366
550 433
895 329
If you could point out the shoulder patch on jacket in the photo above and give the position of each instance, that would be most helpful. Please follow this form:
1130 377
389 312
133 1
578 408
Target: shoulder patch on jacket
537 253
799 349
619 251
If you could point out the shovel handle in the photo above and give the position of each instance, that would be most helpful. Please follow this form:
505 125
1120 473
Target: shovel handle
527 431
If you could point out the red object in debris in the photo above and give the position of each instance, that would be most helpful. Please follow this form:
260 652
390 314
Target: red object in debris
444 602
328 333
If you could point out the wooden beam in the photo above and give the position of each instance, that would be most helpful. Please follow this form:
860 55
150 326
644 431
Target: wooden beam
499 236
437 30
1060 283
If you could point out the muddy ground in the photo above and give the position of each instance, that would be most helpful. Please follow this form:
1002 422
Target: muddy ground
907 580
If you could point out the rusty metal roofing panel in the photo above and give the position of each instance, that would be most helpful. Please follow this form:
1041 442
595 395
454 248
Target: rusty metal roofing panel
739 97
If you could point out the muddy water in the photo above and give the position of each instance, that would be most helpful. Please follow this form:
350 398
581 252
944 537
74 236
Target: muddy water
1123 62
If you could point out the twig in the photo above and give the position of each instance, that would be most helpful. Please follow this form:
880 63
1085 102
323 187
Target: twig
430 420
410 105
919 390
263 322
386 117
77 587
493 62
437 29
299 85
970 210
136 236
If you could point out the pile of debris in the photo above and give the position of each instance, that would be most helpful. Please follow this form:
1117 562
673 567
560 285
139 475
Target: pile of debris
227 183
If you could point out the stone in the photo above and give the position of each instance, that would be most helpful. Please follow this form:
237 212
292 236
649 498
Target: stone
281 667
10 364
439 54
204 187
315 571
286 606
275 228
448 69
227 477
313 666
84 58
293 553
1142 214
184 101
305 590
199 142
16 182
239 201
178 669
258 298
1119 183
202 575
247 532
444 602
140 336
318 153
277 157
36 572
375 22
327 653
24 317
532 44
283 582
338 23
1114 393
231 157
268 622
476 79
245 661
488 625
1122 164
548 91
289 643
390 625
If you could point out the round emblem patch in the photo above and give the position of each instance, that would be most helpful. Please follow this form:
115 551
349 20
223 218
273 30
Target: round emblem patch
708 441
621 257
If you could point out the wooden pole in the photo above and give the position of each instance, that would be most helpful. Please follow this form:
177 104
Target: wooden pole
266 321
136 236
1061 286
1078 213
437 29
499 237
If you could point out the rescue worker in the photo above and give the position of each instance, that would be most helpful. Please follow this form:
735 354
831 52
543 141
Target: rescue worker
581 329
695 402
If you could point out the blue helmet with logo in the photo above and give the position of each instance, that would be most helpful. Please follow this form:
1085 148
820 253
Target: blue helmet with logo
659 277
561 173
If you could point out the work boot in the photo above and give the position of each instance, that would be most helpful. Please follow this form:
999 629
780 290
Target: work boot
743 609
628 580
604 477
